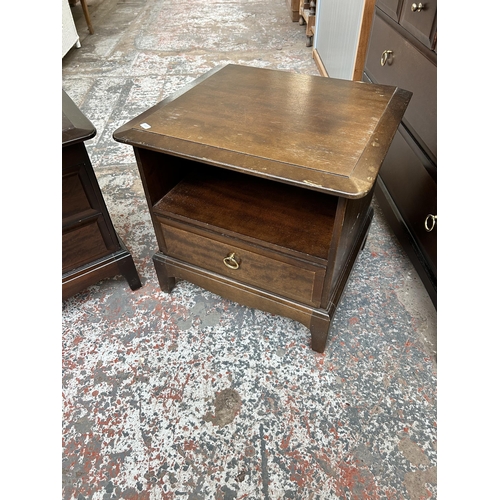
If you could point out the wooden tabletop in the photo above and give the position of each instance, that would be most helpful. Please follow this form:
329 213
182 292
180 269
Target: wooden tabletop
75 125
326 134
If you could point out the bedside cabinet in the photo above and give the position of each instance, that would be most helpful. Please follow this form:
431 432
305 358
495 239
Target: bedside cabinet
403 52
91 249
257 199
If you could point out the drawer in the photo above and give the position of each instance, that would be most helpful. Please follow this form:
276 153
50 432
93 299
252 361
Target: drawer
413 190
74 196
419 18
391 7
409 69
271 214
292 279
82 245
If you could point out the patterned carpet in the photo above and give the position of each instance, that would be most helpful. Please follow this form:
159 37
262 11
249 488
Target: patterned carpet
189 395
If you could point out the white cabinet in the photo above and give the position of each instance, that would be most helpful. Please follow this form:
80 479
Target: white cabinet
341 39
69 34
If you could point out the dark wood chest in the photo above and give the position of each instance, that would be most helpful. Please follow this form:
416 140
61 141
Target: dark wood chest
259 199
91 249
403 52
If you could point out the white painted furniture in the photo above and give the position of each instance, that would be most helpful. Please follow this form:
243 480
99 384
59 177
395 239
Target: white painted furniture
341 37
69 34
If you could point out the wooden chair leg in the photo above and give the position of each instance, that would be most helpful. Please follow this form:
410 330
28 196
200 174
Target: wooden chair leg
87 16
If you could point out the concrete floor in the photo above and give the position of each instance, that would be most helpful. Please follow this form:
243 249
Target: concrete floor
188 395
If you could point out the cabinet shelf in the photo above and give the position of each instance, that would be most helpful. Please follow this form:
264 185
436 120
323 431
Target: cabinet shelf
273 214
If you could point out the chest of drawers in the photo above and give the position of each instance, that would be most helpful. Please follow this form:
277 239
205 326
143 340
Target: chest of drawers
402 52
260 200
91 249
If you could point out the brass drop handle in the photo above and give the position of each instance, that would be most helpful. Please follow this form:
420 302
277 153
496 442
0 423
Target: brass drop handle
430 222
385 57
417 7
231 262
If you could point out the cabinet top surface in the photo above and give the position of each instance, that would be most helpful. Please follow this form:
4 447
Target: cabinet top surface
75 125
326 134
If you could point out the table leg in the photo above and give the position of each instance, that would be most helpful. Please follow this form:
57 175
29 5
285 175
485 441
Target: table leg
320 326
129 271
87 16
166 281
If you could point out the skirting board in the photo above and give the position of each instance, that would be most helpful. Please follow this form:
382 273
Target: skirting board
319 63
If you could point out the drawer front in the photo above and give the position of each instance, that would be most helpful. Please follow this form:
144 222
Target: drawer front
414 191
283 278
409 69
419 18
82 245
390 7
74 196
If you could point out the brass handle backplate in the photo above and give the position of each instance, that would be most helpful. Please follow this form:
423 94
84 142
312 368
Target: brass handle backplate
231 262
417 7
385 57
430 222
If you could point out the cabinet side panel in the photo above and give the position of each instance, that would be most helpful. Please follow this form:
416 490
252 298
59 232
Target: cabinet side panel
74 197
159 174
351 220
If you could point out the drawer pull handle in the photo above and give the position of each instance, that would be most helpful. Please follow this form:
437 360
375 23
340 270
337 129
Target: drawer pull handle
417 8
231 262
385 57
430 222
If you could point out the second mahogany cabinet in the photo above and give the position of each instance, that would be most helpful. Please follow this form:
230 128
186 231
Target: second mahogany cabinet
91 248
403 52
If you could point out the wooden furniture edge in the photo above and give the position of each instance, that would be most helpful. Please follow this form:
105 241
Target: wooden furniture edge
357 185
319 63
363 39
364 174
82 130
118 263
117 134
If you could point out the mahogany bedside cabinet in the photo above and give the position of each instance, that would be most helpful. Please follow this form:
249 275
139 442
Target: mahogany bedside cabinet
259 185
91 249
